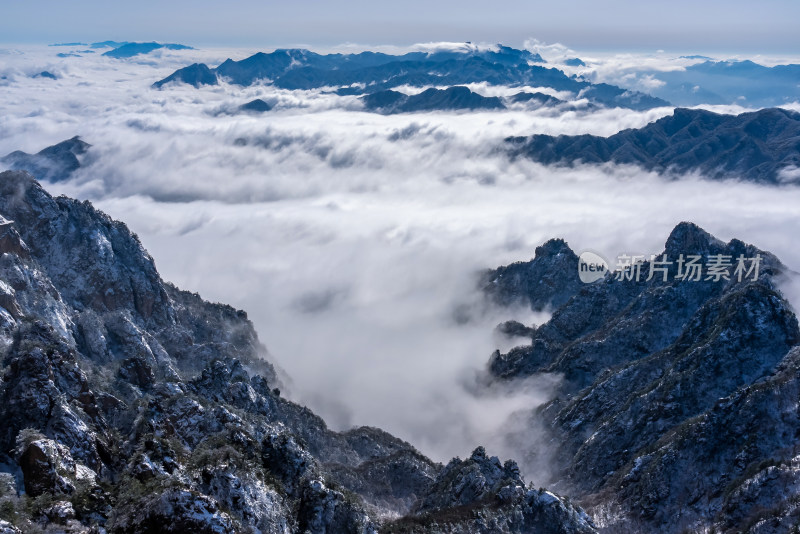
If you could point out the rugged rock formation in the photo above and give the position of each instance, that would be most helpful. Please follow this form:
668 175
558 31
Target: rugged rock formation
130 406
546 281
678 409
481 495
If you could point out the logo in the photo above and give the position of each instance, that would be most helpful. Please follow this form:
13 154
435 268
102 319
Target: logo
591 267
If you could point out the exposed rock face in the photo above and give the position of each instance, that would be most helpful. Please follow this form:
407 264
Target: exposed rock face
678 406
129 405
482 495
546 281
48 467
176 510
755 146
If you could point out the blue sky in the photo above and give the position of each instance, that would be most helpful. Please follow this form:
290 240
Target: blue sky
702 25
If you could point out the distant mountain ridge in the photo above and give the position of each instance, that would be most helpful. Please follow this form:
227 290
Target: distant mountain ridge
453 98
52 164
371 72
127 50
119 49
762 146
728 82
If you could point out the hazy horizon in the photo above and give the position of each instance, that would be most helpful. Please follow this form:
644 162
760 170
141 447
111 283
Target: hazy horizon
682 26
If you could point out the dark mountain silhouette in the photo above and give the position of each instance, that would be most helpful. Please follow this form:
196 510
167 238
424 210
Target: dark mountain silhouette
371 72
453 98
753 146
255 106
540 98
53 164
134 49
196 74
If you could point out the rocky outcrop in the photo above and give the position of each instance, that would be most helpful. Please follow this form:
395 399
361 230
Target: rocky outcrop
677 408
545 282
483 495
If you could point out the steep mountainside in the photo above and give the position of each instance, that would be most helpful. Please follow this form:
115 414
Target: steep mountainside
755 146
678 407
130 406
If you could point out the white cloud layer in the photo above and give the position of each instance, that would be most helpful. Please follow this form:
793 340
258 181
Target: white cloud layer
352 238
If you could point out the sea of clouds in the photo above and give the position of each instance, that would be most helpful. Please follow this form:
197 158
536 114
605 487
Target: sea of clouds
353 239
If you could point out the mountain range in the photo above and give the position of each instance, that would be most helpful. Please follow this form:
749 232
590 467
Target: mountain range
762 146
371 72
728 82
452 98
457 98
119 49
127 50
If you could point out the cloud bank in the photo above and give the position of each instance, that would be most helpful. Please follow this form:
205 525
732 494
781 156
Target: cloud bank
352 239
